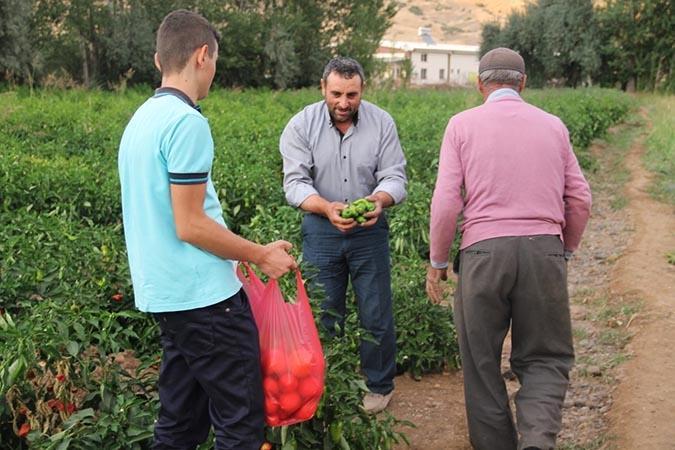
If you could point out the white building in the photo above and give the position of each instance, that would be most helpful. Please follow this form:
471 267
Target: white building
432 64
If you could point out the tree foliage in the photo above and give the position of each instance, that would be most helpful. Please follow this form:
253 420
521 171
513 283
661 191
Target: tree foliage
557 39
17 59
638 44
272 43
569 42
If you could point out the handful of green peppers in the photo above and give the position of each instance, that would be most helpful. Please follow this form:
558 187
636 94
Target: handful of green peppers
357 209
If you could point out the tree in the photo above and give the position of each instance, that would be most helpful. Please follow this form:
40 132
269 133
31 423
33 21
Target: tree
557 39
639 44
624 42
360 27
18 56
273 43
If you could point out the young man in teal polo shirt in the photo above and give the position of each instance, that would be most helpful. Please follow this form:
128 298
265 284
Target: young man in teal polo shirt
182 256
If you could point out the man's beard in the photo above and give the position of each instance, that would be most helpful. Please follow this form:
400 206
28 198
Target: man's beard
336 119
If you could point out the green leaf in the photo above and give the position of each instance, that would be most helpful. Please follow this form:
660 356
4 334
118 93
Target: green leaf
140 437
73 348
78 417
344 445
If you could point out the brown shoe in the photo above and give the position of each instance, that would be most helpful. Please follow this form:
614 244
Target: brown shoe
374 403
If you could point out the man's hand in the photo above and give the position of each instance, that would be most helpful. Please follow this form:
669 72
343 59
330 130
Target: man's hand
274 260
332 212
435 285
373 215
382 200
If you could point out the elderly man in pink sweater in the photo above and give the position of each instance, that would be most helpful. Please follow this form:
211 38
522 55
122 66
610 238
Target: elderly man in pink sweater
509 169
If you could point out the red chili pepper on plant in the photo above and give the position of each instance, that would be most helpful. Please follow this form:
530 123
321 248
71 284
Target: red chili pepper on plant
24 429
117 297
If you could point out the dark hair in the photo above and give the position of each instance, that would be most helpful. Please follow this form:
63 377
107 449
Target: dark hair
345 67
179 35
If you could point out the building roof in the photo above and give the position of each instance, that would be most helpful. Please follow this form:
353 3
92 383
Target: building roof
408 46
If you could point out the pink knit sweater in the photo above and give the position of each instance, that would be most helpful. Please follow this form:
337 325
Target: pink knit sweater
510 169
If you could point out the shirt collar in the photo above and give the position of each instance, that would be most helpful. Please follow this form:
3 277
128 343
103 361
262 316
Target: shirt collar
501 93
177 93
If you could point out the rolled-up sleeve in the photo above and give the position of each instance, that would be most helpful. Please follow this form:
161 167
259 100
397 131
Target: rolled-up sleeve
297 163
390 174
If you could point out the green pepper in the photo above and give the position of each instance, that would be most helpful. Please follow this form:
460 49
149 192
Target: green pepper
356 209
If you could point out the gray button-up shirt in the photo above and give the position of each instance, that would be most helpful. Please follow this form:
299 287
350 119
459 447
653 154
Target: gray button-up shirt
318 160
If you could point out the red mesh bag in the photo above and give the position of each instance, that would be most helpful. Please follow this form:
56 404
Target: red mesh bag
292 360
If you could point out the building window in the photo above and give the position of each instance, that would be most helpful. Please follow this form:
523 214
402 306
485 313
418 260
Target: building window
423 74
423 57
441 74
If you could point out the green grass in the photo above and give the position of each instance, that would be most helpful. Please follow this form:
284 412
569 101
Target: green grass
612 169
596 444
660 145
670 257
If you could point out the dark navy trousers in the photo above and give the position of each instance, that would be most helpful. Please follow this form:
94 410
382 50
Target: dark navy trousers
361 255
210 376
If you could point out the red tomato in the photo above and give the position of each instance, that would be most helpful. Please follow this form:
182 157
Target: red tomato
306 411
273 420
301 363
270 387
290 402
266 446
271 406
288 382
310 388
274 363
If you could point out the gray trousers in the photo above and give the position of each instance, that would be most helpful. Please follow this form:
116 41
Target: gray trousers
519 282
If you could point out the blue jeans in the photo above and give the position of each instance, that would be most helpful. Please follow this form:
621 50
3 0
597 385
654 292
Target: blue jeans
363 256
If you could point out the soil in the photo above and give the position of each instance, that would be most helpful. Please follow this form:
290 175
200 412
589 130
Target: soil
643 415
621 292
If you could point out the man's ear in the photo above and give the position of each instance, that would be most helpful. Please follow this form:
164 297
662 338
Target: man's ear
522 83
157 64
323 87
202 53
480 85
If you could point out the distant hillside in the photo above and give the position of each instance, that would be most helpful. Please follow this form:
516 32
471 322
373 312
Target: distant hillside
451 21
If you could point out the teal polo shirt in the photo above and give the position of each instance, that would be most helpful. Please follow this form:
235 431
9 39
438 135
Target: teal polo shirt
168 141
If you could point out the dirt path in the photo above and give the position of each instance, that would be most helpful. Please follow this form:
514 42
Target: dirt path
621 264
643 415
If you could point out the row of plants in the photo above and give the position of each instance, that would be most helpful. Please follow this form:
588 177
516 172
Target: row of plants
78 364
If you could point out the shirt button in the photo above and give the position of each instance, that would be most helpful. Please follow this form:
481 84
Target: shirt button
346 200
344 157
345 180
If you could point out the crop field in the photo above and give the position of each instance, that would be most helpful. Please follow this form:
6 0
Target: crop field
78 364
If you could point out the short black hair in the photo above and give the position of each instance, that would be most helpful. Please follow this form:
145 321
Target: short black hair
345 67
179 35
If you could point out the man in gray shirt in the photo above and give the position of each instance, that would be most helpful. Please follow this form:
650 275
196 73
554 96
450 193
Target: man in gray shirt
336 151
